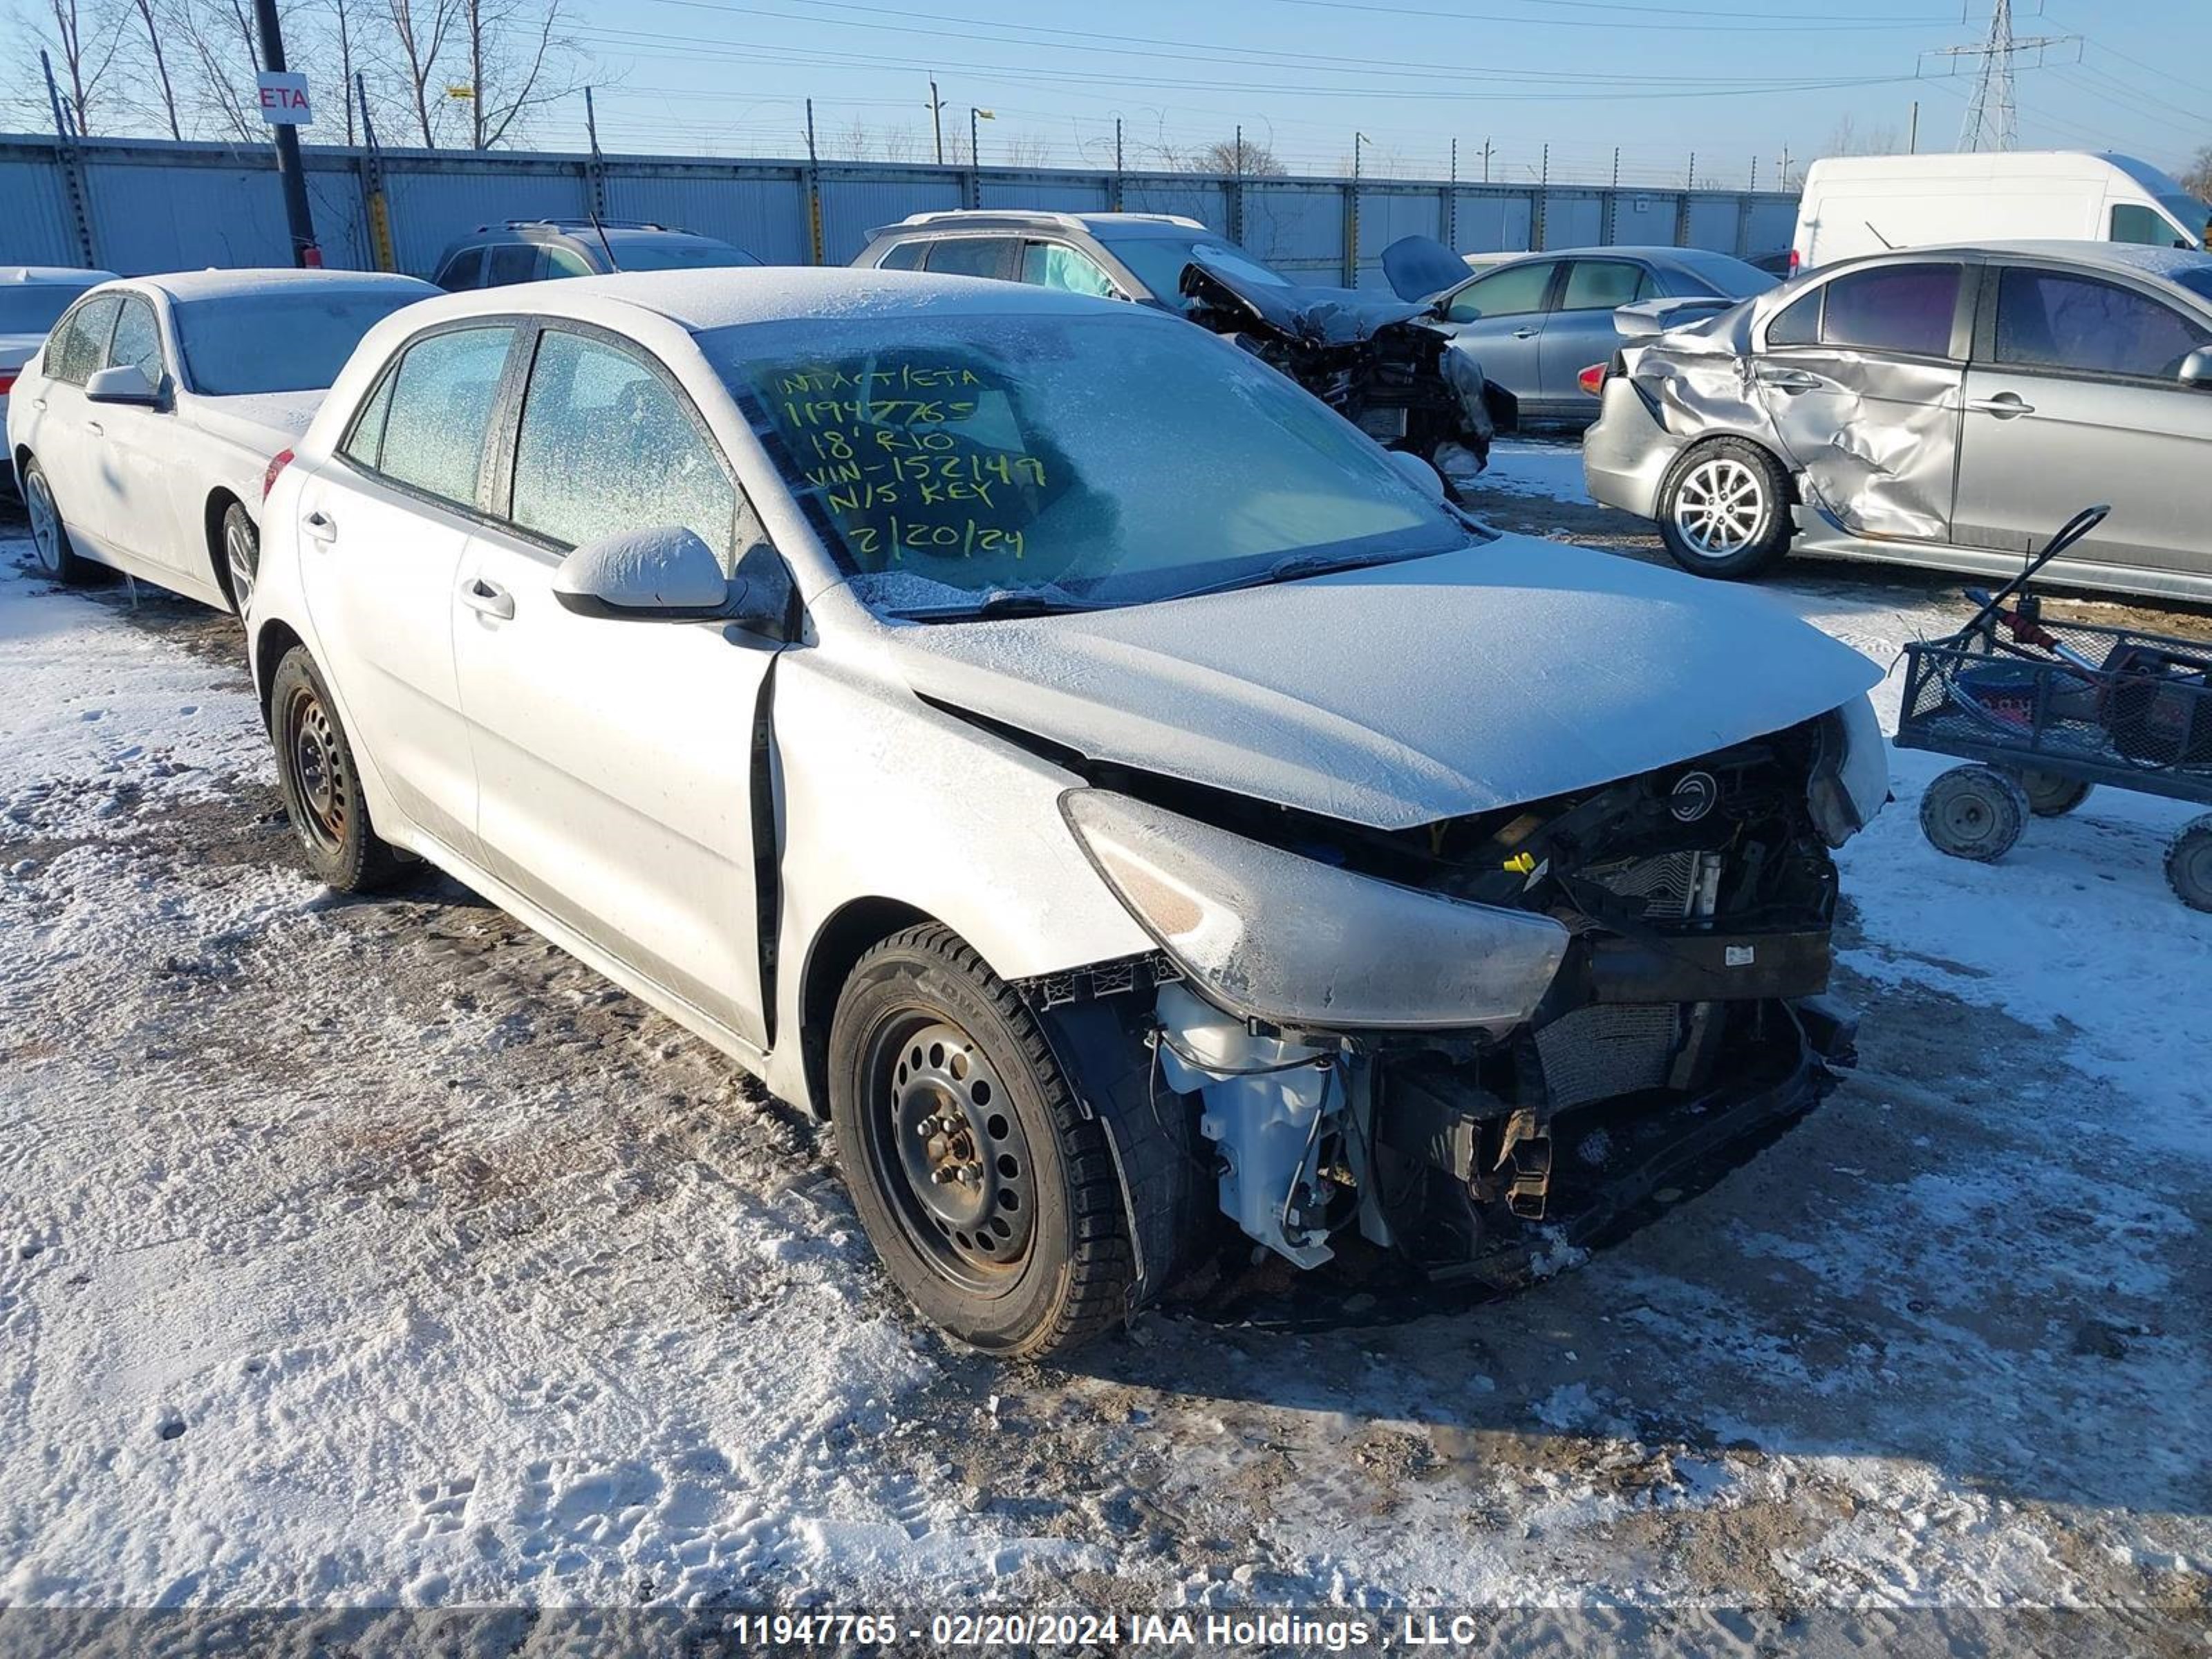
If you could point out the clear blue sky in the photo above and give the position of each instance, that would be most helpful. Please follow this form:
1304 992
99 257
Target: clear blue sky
1731 80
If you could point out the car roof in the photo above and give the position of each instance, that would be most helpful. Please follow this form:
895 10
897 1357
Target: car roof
2136 258
701 301
1097 224
21 275
224 284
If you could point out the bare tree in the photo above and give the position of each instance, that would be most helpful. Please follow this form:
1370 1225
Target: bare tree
850 143
222 54
1252 159
421 30
86 41
150 19
1846 140
899 144
2196 178
519 61
1027 149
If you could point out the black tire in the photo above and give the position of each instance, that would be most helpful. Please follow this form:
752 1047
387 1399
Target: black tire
992 1200
240 553
1974 813
2049 795
322 785
57 560
2189 863
1724 510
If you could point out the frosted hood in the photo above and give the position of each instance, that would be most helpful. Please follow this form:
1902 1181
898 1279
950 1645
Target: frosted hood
1504 673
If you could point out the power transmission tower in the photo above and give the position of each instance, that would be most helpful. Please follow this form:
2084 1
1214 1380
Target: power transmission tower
1992 117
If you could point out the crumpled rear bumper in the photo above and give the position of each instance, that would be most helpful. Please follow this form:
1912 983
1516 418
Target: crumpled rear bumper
1626 454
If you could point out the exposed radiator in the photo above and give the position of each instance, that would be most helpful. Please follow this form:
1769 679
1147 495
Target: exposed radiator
1665 887
1609 1049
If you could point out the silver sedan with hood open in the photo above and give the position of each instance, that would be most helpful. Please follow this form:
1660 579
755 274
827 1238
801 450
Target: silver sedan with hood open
1126 800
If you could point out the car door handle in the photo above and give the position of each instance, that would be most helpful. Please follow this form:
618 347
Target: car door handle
2004 405
1525 333
320 528
38 402
488 599
95 428
1789 380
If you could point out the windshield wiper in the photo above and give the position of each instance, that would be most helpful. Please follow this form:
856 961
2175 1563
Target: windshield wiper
999 605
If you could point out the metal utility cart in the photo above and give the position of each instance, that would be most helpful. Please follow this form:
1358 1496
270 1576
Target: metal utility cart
2046 711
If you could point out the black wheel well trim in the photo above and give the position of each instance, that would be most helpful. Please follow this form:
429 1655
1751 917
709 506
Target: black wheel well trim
852 930
219 502
1751 441
275 640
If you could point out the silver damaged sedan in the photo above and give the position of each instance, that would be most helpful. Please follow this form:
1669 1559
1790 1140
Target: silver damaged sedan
1947 407
1131 806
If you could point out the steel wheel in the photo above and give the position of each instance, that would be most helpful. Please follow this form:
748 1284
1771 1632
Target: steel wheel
1721 507
241 556
311 752
944 1145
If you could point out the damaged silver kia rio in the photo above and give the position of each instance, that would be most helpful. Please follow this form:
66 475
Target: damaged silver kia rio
1123 798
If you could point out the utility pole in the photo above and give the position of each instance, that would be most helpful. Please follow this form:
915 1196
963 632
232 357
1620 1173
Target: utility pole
1992 118
937 118
296 213
1912 131
813 187
1487 147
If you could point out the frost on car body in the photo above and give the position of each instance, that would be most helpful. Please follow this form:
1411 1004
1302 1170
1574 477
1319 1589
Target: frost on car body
1110 789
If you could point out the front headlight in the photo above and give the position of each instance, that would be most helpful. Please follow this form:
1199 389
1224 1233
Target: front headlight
1851 774
1270 935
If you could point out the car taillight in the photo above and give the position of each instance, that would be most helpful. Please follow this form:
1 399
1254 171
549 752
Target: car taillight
284 459
1592 380
8 380
1796 261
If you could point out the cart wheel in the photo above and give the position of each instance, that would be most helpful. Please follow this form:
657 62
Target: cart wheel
1974 813
2049 795
2189 863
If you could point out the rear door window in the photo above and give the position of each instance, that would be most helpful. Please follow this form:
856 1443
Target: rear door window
442 399
1798 324
2054 319
607 446
903 255
1511 292
1902 308
79 345
464 270
137 342
1602 284
973 256
565 262
508 263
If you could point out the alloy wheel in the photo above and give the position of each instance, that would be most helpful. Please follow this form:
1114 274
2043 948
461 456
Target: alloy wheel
47 531
241 555
1720 506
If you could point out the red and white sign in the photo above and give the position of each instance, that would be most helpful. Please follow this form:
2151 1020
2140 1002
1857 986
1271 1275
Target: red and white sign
283 98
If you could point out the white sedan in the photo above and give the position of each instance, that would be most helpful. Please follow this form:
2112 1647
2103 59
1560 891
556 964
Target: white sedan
142 434
1031 733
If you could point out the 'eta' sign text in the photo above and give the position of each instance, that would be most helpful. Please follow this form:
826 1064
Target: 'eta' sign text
283 98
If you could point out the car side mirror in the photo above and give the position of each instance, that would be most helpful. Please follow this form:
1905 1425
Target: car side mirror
1424 477
664 572
123 383
2197 369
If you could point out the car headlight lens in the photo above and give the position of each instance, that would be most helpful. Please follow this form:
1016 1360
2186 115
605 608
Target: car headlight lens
1850 776
1269 935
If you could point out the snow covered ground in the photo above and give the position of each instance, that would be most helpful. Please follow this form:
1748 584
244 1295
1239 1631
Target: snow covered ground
372 1253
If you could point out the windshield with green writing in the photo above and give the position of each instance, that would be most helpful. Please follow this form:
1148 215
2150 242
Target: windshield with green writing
954 463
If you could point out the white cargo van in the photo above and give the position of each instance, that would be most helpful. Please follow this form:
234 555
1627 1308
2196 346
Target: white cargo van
1855 204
